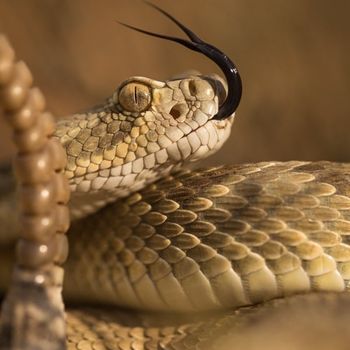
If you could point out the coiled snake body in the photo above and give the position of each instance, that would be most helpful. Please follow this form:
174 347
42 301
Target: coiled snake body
209 240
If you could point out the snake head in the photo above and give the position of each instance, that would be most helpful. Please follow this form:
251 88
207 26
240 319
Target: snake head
234 83
173 119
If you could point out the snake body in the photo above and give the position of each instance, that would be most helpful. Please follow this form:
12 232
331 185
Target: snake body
219 238
166 241
206 240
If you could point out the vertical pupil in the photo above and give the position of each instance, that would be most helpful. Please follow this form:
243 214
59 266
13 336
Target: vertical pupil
135 95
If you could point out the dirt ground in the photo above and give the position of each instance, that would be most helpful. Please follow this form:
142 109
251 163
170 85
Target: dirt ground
294 58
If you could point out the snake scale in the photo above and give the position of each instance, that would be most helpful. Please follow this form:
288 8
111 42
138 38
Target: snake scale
185 247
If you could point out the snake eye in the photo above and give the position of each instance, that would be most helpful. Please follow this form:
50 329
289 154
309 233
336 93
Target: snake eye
135 97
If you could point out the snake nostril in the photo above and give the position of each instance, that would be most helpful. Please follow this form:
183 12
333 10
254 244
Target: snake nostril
178 110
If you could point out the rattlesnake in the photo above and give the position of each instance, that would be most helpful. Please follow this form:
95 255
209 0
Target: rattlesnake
150 236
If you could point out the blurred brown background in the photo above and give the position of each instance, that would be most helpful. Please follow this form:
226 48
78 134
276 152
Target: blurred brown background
294 58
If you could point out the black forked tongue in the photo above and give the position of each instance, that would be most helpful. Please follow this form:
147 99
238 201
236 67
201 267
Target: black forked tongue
229 69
